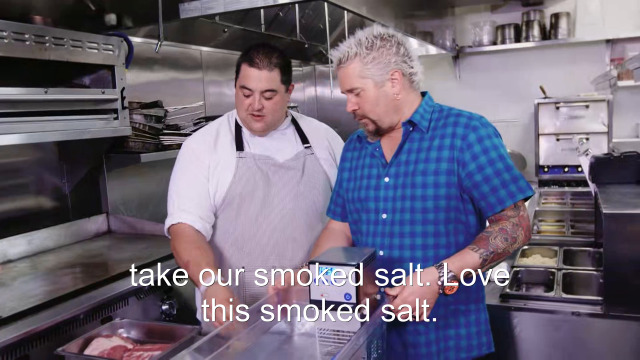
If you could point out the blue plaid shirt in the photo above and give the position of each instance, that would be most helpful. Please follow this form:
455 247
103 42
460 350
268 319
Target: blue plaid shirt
450 173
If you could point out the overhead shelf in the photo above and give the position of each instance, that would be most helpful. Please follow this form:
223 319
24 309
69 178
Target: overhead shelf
541 44
524 45
633 63
606 81
629 144
116 161
627 83
147 157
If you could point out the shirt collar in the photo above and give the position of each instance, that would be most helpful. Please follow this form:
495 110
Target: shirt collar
421 117
285 124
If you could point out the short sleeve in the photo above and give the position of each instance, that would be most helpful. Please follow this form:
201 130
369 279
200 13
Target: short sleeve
488 175
189 199
337 209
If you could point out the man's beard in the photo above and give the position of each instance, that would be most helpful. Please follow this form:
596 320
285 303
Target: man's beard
373 131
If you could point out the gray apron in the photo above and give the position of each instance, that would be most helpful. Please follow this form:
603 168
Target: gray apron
271 215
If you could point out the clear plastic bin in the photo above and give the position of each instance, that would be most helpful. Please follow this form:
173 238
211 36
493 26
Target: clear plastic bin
258 339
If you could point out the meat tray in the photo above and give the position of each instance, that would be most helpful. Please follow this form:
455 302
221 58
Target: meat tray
144 332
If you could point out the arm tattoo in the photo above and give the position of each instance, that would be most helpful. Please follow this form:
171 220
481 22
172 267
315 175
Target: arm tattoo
508 230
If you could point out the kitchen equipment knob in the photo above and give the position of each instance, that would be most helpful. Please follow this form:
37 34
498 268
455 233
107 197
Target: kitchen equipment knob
566 169
168 308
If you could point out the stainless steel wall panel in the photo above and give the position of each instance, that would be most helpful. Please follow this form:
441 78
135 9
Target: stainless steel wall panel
331 104
140 191
305 92
219 73
174 75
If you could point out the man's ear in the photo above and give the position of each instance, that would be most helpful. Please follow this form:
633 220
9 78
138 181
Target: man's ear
395 77
290 89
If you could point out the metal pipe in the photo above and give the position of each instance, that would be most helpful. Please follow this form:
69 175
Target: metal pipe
326 19
160 27
262 19
297 22
346 25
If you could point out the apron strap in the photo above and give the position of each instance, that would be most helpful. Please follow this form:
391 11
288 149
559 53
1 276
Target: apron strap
239 142
301 134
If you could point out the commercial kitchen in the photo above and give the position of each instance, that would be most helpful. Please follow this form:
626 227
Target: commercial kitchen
97 97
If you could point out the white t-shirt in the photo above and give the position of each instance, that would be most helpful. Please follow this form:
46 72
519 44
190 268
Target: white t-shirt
207 161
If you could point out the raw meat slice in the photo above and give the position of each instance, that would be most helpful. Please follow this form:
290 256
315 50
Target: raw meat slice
145 352
109 346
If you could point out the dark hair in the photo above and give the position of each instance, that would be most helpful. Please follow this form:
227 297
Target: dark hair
265 56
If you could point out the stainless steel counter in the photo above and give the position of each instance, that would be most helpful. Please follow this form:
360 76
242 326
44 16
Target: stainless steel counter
619 198
43 277
530 329
618 229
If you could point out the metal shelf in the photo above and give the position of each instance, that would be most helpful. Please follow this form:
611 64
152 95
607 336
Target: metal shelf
608 81
63 135
525 45
547 43
627 83
629 144
117 161
146 157
633 63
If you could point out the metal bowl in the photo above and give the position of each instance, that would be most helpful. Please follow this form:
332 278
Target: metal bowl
535 14
532 30
560 25
507 34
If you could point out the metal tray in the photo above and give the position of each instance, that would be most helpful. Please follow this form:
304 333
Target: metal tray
145 332
586 285
581 258
570 286
579 199
544 251
564 224
532 283
568 257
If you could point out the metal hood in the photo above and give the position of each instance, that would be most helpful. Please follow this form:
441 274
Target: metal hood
304 29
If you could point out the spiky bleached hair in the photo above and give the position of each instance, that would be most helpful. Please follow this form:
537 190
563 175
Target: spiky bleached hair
380 50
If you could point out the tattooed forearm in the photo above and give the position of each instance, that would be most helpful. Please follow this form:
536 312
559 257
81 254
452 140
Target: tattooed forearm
507 231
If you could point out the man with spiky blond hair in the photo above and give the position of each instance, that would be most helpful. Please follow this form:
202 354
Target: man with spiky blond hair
418 182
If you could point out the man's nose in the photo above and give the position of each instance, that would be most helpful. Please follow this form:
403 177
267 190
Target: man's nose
351 106
257 103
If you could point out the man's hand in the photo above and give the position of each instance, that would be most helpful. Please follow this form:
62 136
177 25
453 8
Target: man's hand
287 280
223 296
408 294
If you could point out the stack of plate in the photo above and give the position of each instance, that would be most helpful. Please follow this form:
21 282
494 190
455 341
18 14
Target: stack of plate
156 128
174 135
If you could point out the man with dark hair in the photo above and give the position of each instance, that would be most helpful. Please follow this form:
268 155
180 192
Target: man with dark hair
266 57
250 190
